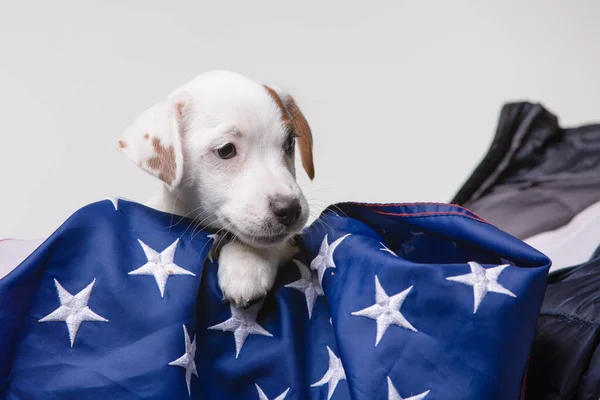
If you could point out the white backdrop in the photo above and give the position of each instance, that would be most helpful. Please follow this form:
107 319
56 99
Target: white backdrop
402 96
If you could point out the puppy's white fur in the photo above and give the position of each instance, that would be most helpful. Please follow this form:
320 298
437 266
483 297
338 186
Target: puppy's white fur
178 139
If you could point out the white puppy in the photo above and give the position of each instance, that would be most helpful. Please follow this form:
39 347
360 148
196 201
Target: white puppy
224 147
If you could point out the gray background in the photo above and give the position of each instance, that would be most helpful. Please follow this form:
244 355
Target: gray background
402 96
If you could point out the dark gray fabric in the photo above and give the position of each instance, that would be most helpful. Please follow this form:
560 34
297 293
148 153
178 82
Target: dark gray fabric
536 175
525 209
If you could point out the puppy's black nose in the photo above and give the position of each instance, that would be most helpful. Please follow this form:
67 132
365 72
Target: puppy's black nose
286 210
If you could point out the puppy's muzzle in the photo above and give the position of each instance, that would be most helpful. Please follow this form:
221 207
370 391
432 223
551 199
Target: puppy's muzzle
287 210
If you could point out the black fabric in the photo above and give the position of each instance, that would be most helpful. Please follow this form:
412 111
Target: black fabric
565 358
536 176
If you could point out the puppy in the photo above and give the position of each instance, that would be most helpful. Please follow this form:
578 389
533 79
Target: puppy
223 146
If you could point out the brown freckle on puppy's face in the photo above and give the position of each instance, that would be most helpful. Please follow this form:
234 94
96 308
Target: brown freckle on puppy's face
121 144
163 161
146 136
180 107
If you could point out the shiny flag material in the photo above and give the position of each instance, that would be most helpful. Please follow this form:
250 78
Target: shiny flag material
407 301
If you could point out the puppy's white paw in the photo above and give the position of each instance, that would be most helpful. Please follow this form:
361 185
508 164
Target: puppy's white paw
246 274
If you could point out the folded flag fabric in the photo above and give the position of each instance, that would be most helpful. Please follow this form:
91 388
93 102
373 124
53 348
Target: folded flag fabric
409 301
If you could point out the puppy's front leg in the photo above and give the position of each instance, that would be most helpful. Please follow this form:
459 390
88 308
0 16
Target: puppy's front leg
247 273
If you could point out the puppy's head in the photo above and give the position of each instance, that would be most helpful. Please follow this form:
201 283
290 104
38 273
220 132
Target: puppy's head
224 145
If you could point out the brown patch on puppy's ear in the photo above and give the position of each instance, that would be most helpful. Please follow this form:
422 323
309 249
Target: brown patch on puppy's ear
293 117
284 112
154 140
305 141
163 161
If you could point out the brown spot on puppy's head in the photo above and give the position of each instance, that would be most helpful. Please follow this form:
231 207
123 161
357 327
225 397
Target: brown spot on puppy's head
284 112
163 161
295 120
121 144
146 136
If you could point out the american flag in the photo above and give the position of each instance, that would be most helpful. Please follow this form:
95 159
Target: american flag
407 301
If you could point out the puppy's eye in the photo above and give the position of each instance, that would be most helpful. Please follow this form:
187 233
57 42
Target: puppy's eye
289 144
226 152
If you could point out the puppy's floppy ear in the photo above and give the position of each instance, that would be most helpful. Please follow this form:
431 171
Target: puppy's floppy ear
153 140
292 116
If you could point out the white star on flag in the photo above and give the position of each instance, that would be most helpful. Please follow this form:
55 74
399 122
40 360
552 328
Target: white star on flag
73 309
334 374
263 396
483 281
394 395
160 265
188 360
324 259
242 323
386 311
385 248
307 284
214 238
